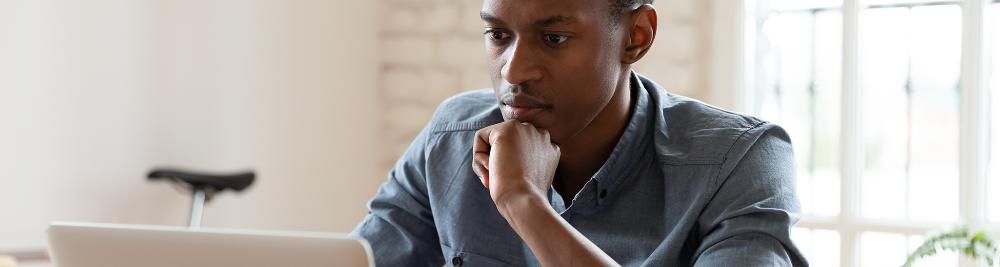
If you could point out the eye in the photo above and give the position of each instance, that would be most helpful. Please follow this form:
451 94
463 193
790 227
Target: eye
554 39
496 35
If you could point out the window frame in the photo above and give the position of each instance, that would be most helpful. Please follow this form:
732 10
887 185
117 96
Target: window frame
732 86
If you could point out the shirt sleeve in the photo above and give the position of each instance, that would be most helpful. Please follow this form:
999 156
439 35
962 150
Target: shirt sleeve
748 221
399 225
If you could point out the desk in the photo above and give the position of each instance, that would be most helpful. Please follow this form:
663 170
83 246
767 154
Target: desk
24 257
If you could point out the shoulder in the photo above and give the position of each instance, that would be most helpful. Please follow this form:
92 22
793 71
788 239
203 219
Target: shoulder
689 131
467 111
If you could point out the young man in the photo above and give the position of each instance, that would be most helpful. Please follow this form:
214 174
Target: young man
575 160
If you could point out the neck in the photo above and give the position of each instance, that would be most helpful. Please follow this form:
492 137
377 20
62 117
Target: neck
586 152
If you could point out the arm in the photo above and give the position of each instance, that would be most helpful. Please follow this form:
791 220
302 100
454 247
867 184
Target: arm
749 218
517 162
399 225
553 240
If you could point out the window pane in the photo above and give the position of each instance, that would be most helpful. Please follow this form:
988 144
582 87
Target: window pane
825 154
784 5
821 247
883 249
799 88
884 60
888 249
898 2
994 183
935 68
910 67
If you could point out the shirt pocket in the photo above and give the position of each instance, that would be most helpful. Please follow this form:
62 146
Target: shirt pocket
458 258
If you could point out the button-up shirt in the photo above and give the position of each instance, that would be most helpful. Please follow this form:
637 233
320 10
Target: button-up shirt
686 184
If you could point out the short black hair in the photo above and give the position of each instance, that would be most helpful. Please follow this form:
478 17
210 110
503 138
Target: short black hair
620 7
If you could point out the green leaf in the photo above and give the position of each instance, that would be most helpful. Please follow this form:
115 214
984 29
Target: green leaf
978 246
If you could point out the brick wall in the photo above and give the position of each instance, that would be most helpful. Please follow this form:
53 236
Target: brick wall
433 49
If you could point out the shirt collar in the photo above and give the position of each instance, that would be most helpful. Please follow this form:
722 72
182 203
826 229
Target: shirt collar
628 153
631 147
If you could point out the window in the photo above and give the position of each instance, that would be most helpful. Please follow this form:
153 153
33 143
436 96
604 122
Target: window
800 88
994 183
888 106
890 249
910 67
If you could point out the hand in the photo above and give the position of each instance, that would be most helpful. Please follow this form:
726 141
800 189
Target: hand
516 161
513 158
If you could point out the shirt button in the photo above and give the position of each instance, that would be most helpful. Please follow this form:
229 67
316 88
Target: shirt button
604 193
456 261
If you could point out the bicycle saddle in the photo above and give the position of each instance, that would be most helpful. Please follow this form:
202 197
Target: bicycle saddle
216 182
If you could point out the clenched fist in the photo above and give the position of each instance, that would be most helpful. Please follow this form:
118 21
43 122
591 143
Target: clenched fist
513 158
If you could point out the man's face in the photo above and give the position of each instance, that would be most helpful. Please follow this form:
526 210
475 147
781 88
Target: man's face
553 63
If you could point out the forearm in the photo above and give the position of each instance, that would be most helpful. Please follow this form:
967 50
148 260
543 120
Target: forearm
553 240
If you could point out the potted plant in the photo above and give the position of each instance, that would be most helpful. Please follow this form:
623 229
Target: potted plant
978 245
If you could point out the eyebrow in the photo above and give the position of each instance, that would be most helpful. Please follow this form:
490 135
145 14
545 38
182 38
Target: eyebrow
555 20
489 18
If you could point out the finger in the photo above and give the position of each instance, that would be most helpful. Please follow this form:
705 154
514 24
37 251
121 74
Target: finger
543 132
529 126
482 141
481 155
493 134
482 160
539 132
477 166
479 163
482 177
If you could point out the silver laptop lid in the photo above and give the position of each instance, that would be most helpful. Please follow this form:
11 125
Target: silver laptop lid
110 245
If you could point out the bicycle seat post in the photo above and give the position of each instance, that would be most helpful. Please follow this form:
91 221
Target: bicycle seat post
197 205
203 187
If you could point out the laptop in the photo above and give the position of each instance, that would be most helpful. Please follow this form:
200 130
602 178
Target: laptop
112 245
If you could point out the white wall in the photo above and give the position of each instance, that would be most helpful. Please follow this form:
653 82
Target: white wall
95 93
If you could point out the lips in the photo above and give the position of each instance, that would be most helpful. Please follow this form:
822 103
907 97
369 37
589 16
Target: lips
522 108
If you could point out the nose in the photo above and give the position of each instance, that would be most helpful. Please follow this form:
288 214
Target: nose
523 64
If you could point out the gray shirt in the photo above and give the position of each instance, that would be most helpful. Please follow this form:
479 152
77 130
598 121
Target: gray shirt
687 184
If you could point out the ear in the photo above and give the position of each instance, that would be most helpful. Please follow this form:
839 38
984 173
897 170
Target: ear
641 30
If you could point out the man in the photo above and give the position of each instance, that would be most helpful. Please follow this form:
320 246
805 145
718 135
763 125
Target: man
575 160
